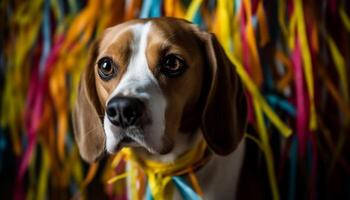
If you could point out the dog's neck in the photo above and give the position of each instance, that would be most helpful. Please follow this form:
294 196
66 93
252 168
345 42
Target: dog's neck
218 177
184 142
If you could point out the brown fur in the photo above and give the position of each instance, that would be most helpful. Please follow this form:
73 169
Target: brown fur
87 116
208 95
119 50
225 114
182 93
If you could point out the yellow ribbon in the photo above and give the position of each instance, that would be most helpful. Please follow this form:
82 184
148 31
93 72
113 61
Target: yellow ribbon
191 11
256 74
43 177
283 129
260 105
266 149
340 67
160 174
344 18
221 26
306 61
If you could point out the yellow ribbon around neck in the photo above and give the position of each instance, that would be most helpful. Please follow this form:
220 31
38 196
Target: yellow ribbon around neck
159 174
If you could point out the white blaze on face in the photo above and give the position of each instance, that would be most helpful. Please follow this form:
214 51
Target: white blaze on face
139 82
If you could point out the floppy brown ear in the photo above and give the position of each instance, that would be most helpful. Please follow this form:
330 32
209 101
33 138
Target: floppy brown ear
87 115
225 112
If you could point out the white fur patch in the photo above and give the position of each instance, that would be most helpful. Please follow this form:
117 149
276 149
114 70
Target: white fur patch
139 82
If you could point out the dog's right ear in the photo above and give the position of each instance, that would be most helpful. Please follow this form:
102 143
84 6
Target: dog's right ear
88 114
224 116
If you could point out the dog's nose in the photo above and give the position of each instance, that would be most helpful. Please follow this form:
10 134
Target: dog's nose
124 111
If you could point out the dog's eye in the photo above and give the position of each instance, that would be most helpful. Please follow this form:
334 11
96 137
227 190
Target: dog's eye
172 66
106 68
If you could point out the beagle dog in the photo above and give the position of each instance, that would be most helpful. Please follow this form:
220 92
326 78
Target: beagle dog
161 86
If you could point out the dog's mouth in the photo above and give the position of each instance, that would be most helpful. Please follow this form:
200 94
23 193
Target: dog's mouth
133 137
127 140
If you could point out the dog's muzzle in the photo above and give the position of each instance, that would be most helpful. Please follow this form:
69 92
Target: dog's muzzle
125 111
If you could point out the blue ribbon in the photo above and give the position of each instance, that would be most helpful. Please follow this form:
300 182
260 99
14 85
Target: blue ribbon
268 78
254 21
46 31
197 19
2 147
146 7
151 8
185 190
276 101
69 141
182 186
237 5
149 193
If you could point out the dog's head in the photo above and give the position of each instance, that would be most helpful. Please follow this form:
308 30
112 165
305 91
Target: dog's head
151 85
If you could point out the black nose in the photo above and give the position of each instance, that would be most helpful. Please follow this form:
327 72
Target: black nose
124 111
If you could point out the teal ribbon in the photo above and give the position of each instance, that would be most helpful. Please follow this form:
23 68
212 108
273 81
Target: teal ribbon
197 19
237 5
149 194
276 101
182 186
151 8
185 190
46 31
3 146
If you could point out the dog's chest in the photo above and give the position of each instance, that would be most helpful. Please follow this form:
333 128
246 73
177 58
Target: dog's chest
218 179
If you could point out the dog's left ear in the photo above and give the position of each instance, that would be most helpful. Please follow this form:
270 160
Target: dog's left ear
224 116
87 114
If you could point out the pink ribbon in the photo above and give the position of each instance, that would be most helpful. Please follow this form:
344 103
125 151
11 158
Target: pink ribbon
34 110
301 103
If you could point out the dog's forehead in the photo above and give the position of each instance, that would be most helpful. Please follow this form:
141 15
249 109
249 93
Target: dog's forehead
137 46
160 28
